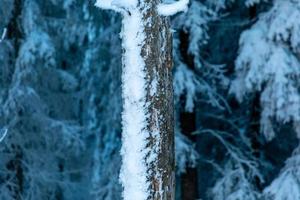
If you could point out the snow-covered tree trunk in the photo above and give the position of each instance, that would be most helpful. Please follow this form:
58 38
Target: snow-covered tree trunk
148 125
157 55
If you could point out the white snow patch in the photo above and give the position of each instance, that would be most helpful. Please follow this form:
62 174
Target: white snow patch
116 5
286 185
154 84
173 8
133 174
104 4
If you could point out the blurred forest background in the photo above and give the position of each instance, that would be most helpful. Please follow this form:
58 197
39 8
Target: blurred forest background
237 99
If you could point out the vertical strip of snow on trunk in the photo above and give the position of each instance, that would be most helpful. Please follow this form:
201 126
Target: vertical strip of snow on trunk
134 168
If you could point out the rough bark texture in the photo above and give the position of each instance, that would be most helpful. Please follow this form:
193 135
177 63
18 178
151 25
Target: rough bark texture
157 53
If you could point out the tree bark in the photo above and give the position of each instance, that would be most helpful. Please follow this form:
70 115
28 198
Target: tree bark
159 71
148 164
148 104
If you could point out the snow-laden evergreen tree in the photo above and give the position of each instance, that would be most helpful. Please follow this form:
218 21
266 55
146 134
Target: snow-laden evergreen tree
193 74
53 110
268 62
238 173
102 75
202 85
194 77
286 185
234 184
36 139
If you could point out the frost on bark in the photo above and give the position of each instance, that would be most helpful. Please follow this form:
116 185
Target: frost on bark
148 121
158 59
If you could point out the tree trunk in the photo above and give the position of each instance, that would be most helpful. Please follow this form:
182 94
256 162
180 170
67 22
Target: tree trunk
147 170
159 71
15 35
148 126
189 187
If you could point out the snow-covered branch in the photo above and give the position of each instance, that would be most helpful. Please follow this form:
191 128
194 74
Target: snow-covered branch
104 4
116 5
268 61
3 35
286 185
3 134
173 8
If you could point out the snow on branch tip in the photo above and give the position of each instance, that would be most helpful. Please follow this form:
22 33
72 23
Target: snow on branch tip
164 9
116 5
3 35
173 8
3 133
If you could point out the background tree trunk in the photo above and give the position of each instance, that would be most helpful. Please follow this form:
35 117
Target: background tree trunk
189 178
